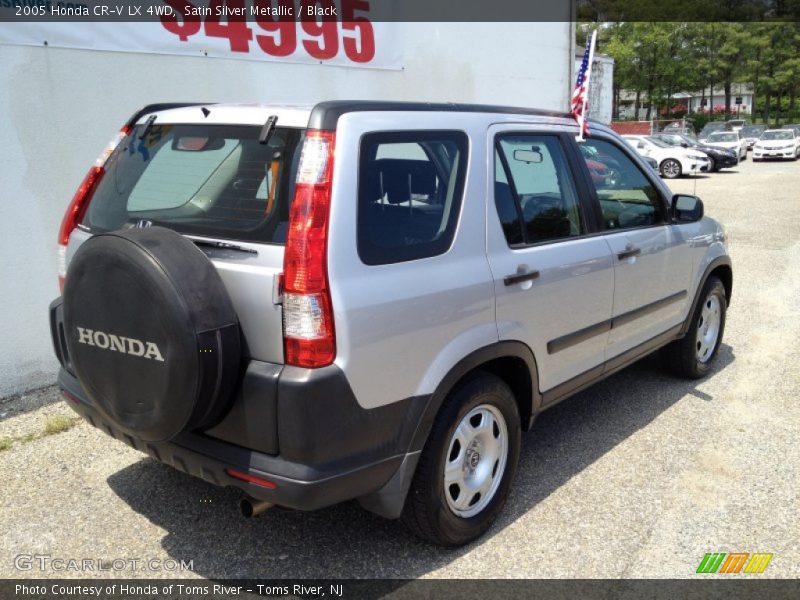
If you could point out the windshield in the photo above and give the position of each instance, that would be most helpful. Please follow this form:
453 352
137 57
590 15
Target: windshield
657 142
777 135
207 180
671 139
752 130
723 137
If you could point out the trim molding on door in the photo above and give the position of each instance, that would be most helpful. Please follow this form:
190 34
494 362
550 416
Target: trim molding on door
576 337
611 366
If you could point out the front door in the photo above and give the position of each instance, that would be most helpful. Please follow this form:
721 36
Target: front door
652 262
554 279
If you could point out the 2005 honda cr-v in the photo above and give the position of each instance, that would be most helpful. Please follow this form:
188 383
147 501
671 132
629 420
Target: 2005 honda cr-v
369 300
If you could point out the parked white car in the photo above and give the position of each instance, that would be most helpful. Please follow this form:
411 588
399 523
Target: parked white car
777 143
730 140
673 161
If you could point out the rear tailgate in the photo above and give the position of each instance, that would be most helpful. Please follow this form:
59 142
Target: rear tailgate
218 185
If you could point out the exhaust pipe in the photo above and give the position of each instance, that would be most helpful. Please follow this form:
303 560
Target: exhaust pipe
251 507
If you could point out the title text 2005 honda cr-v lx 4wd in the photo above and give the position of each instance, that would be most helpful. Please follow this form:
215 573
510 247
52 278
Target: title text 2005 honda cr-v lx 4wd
369 300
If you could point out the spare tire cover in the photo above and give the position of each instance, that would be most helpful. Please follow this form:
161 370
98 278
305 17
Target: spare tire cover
151 332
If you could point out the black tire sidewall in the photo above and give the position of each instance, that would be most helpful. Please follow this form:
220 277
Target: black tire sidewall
485 389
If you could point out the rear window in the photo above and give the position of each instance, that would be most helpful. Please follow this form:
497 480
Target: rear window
207 180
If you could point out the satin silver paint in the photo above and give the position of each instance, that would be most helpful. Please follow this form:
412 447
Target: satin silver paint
400 328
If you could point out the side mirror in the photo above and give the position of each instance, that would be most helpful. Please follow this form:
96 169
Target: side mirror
686 208
640 145
684 144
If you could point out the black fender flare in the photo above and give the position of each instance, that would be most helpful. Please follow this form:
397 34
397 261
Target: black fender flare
389 500
502 349
720 261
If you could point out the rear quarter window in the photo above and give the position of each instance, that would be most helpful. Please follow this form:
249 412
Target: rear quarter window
410 188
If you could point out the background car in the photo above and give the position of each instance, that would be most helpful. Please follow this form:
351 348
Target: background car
737 124
673 161
685 128
712 127
729 140
751 133
777 143
795 126
718 158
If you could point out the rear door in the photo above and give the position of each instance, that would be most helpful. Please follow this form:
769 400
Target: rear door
553 277
215 184
652 260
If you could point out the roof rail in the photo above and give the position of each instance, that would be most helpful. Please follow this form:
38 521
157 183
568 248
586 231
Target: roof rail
326 114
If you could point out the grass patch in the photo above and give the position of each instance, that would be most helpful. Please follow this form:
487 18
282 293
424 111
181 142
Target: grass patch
53 425
58 424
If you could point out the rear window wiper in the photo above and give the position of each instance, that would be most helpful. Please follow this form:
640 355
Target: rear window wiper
223 246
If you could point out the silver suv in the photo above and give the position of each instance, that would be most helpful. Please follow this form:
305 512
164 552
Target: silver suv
370 300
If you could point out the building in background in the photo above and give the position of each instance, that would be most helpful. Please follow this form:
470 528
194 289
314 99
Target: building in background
601 87
66 88
700 101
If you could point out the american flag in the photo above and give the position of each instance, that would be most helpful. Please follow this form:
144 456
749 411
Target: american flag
580 97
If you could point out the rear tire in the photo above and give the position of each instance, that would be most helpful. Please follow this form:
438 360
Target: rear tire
694 355
468 464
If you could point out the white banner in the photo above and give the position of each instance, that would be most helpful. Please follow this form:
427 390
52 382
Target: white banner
349 44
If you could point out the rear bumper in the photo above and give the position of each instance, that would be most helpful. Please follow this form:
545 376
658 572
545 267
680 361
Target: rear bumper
302 487
300 429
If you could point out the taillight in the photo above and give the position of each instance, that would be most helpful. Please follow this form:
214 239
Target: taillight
308 335
80 202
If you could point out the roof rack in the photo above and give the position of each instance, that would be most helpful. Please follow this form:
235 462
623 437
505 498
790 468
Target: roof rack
325 115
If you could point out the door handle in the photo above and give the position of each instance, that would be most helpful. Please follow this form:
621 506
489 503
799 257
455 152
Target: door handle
520 277
628 253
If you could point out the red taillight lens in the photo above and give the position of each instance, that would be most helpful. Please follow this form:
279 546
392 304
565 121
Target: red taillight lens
308 334
80 202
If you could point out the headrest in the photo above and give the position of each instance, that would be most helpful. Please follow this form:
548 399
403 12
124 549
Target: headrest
404 177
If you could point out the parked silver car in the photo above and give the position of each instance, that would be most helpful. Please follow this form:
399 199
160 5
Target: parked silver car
370 300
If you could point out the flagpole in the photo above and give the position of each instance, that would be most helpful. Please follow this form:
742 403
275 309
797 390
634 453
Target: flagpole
586 83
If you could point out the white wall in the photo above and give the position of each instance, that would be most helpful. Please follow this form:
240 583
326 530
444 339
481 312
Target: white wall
60 108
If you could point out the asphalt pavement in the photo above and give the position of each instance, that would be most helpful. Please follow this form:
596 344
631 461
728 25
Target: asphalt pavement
638 476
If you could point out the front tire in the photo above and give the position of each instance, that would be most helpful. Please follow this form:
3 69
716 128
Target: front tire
694 355
712 165
670 169
468 464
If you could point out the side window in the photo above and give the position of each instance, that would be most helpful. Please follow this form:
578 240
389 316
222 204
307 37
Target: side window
534 192
510 217
409 194
627 198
